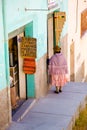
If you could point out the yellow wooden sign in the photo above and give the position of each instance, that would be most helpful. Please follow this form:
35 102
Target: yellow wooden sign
28 47
59 19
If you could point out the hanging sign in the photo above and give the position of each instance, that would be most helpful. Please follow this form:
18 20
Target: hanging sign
28 47
59 19
29 65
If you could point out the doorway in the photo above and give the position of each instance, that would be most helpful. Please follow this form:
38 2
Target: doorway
18 86
13 63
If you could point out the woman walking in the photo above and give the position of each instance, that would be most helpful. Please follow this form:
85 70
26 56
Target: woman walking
58 69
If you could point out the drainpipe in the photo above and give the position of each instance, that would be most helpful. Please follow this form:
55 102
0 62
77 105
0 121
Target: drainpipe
6 58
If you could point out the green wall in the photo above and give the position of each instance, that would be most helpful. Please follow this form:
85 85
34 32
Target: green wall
64 7
15 17
3 79
30 78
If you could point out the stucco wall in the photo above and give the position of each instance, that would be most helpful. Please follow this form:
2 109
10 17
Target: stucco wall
17 15
13 16
4 92
80 46
41 77
5 108
2 52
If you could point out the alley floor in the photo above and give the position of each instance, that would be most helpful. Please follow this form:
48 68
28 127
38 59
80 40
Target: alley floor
54 111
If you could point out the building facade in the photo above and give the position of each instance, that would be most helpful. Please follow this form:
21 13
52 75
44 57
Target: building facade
32 19
77 39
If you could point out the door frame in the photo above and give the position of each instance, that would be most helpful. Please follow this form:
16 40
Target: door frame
22 79
50 33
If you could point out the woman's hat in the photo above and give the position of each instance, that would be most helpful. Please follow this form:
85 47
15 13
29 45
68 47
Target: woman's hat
57 48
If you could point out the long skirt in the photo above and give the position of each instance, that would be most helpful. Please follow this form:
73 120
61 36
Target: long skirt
58 80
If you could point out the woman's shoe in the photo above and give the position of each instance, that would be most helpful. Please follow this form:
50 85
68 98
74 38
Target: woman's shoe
60 90
56 91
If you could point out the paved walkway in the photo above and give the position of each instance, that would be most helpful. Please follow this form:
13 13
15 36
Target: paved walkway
55 111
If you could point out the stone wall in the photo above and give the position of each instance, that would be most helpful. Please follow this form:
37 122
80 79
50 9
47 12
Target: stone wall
5 108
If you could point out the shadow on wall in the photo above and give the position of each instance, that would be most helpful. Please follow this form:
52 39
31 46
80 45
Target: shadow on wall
80 72
64 45
72 74
85 79
72 77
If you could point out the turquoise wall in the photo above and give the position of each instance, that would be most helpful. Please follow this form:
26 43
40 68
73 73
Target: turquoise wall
18 17
15 16
2 51
30 78
64 7
40 32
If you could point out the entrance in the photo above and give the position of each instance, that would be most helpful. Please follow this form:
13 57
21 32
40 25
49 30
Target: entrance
25 87
18 86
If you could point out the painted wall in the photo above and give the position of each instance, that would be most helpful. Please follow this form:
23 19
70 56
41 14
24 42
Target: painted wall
30 78
64 7
21 14
16 15
80 43
20 17
2 52
5 106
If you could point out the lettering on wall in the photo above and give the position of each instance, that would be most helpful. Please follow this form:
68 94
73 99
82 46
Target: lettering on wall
28 47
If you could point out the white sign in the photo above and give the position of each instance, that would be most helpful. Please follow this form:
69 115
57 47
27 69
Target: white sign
52 3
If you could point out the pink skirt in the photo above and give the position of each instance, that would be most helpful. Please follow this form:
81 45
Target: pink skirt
58 80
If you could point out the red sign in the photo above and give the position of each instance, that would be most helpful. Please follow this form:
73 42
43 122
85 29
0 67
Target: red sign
29 66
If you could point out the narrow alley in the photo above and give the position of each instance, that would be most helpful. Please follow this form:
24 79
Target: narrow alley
30 30
55 111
